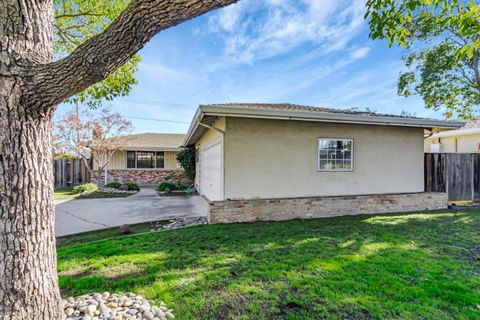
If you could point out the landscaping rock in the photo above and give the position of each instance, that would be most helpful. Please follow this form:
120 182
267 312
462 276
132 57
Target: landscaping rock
106 306
183 222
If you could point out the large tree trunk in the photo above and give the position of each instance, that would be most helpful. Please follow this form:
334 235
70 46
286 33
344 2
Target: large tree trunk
28 275
30 87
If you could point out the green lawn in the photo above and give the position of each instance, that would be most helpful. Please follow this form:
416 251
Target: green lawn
399 266
66 194
107 233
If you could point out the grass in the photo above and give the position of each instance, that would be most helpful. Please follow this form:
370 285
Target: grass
397 266
67 194
109 233
64 194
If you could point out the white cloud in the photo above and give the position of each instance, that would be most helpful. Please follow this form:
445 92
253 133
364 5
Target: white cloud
359 53
253 30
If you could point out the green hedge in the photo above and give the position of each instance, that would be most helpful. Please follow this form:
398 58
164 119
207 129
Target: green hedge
132 186
113 184
87 187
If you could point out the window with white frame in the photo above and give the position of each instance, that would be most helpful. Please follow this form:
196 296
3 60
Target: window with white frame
335 154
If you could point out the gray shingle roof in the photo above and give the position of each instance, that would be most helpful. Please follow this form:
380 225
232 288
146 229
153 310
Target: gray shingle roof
303 108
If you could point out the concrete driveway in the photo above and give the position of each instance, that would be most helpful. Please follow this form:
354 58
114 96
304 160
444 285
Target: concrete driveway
83 215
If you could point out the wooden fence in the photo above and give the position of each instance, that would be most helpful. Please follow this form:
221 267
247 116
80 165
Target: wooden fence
458 174
70 172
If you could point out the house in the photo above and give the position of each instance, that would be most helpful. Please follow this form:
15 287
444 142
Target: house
463 140
146 158
283 161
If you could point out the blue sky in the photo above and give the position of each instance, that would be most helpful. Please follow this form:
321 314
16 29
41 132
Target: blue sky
312 52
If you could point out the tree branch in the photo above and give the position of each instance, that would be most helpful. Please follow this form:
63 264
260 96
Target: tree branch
101 55
75 15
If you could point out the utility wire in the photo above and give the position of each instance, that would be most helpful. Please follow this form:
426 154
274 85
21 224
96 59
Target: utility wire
157 103
159 120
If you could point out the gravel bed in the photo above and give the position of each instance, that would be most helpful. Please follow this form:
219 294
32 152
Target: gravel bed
181 223
106 306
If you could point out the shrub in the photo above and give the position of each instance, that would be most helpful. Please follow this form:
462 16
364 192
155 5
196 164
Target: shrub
166 185
132 186
87 187
182 187
113 184
186 157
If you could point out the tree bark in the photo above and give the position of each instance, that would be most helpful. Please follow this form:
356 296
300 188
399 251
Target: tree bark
28 275
30 87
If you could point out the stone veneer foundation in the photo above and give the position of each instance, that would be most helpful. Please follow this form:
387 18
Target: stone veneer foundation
140 176
320 207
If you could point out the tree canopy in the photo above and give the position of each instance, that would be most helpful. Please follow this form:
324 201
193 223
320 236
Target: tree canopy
443 42
75 22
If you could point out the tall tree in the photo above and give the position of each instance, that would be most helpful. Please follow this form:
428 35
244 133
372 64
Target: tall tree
87 135
31 85
443 42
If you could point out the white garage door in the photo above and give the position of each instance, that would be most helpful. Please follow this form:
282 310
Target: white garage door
211 172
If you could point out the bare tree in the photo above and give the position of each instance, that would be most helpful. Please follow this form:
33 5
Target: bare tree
92 136
31 85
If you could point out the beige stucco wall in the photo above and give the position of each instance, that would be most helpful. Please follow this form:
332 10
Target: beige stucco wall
458 144
119 161
276 159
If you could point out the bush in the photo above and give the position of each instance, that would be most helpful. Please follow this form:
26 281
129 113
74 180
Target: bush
167 185
113 184
182 187
87 187
132 186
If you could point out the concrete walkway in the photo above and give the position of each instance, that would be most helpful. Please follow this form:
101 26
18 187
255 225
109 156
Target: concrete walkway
83 215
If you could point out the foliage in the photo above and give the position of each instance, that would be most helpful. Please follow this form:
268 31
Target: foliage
390 266
132 186
113 184
78 20
86 187
186 157
167 185
91 135
63 156
443 39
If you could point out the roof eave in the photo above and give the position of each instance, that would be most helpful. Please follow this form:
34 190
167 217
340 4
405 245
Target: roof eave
331 117
312 116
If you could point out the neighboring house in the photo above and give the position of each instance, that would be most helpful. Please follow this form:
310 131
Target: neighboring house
283 161
146 158
464 140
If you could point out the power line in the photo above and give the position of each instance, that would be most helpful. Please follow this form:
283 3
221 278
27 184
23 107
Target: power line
158 103
159 120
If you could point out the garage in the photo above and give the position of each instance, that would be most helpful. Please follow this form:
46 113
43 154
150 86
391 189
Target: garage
211 168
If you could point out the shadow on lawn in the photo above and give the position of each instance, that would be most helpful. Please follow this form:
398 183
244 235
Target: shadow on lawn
393 266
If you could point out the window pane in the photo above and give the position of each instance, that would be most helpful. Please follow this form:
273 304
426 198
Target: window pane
335 154
145 160
323 154
131 159
160 160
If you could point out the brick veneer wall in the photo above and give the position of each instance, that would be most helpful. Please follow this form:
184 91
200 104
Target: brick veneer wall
319 207
142 177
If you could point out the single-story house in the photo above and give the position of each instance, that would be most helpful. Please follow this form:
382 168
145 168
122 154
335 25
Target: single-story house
464 140
146 158
284 161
